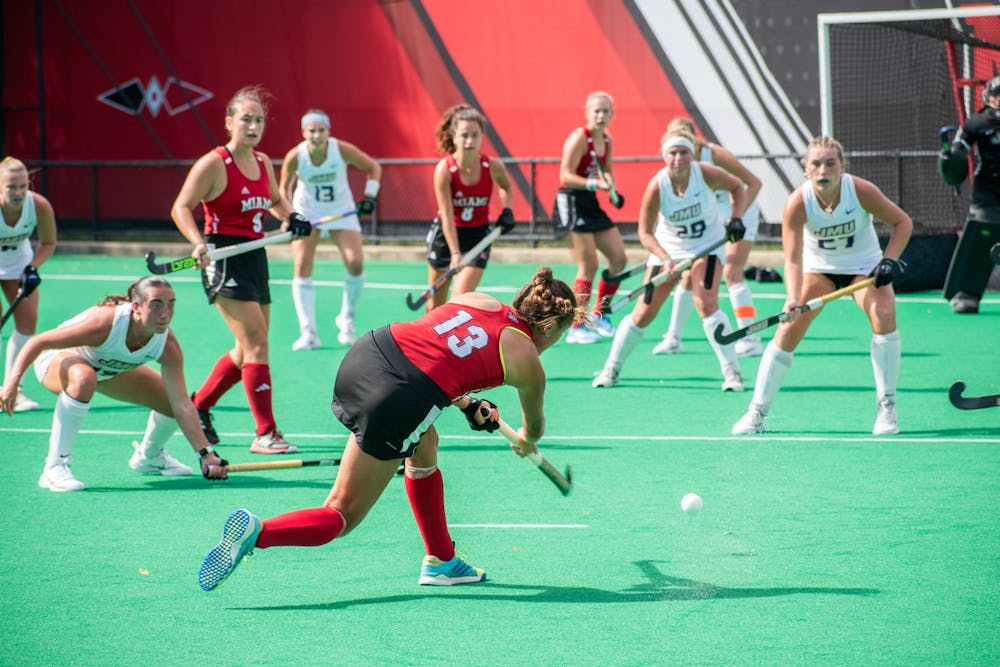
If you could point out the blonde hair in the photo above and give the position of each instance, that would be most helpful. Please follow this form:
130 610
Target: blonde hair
11 163
677 132
826 142
547 303
599 93
137 291
686 124
445 133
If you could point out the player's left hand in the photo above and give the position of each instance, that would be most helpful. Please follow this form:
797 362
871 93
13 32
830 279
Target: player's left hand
506 221
299 226
887 270
29 280
366 206
735 230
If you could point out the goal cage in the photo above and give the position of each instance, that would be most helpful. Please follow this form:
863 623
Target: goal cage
889 81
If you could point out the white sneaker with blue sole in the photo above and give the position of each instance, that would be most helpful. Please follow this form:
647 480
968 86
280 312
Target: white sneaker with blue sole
239 536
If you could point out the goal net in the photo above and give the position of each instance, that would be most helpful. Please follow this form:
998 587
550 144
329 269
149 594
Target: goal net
889 81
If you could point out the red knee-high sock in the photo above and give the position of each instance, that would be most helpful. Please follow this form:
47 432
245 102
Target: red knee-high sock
582 290
224 375
257 384
301 528
605 289
427 501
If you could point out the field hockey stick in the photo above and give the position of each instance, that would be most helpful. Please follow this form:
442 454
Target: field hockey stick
21 296
162 268
971 402
608 306
467 258
612 193
627 273
767 322
286 463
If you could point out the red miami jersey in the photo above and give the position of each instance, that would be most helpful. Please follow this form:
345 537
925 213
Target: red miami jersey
458 346
470 203
242 207
587 167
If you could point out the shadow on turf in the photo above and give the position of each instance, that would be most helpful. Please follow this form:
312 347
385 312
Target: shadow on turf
658 587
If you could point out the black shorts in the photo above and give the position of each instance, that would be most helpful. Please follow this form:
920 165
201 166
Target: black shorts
840 280
438 254
243 277
386 401
578 211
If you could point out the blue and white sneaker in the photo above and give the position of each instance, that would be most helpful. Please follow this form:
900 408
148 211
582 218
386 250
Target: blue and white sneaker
436 572
239 535
602 324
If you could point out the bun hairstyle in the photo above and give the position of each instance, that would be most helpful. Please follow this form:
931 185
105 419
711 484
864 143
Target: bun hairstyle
445 133
137 291
547 303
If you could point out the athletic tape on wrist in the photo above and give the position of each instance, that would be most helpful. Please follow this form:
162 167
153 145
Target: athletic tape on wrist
591 184
371 188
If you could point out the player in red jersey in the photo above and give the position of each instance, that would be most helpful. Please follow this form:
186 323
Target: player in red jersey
586 150
463 185
235 185
390 388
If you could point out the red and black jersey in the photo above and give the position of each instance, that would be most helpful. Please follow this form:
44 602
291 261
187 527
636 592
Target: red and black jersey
470 203
458 346
242 207
588 167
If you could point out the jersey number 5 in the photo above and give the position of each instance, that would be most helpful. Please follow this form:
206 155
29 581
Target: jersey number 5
475 338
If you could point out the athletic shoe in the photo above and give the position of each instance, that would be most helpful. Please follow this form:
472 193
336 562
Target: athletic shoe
435 572
163 463
205 419
750 423
749 346
24 404
582 335
60 478
669 345
346 326
886 421
606 378
602 324
272 443
239 535
733 380
963 302
306 341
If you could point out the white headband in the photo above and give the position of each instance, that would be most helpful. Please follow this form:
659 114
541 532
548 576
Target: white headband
675 141
314 117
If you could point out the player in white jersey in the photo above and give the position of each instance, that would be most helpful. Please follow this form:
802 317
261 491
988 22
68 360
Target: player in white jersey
318 168
830 243
736 253
104 349
678 220
24 212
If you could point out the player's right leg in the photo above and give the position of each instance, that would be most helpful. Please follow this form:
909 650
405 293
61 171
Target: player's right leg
72 378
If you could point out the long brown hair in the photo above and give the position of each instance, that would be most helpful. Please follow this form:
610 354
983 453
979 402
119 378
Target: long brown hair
445 133
137 291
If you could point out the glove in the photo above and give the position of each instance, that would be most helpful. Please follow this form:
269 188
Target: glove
204 469
367 206
484 408
506 221
29 280
299 226
887 270
618 203
735 230
945 134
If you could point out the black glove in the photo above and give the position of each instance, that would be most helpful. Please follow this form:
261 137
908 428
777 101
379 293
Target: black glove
367 206
887 270
299 226
735 230
506 221
204 469
618 203
483 408
29 280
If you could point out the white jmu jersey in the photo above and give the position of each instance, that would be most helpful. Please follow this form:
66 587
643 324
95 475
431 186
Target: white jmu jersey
751 214
841 242
112 356
323 190
15 246
690 223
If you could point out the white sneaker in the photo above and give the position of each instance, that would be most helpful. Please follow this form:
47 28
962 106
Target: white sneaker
602 324
582 335
608 377
346 326
669 345
750 423
163 463
58 477
887 421
750 346
307 341
733 380
24 404
272 443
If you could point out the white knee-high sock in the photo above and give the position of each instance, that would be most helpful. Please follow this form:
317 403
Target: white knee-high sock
742 302
66 423
159 428
886 354
14 345
774 366
304 297
627 336
680 311
726 354
352 294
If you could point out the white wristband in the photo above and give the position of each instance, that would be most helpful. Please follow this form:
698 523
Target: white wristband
591 184
371 188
